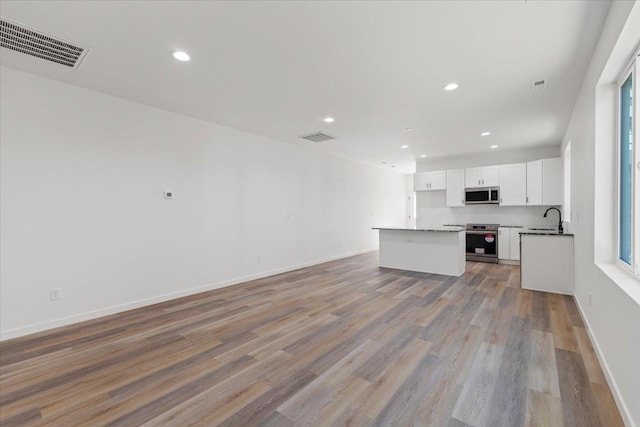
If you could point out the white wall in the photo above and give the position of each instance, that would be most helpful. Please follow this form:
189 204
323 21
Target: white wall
432 205
82 208
432 210
613 317
488 158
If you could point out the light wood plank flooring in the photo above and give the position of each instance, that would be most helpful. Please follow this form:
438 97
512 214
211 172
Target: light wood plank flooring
342 343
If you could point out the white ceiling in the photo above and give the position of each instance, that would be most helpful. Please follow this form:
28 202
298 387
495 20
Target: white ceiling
278 68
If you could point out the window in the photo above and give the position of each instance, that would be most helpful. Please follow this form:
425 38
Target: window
628 174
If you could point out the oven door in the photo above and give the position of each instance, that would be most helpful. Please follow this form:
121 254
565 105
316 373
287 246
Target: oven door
482 246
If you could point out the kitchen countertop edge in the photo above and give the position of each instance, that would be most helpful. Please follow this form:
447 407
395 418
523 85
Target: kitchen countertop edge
545 233
445 229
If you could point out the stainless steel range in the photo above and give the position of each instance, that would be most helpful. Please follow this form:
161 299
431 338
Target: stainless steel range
482 242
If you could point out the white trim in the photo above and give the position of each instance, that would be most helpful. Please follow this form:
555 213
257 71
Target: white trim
617 396
630 71
623 278
64 321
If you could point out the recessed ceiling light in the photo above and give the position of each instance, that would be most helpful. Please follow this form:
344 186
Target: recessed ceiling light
451 86
409 129
423 155
494 146
329 119
485 134
404 146
181 56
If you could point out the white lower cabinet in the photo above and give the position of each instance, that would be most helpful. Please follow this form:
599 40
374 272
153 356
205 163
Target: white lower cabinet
509 243
514 250
504 242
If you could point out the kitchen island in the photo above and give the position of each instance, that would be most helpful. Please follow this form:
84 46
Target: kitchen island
546 261
439 250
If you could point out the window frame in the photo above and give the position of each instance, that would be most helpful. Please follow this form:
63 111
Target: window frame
633 68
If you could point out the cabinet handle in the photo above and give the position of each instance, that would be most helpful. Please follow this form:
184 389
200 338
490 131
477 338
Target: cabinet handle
500 200
527 199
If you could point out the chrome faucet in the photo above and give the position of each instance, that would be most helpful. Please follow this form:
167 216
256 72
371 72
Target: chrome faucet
559 221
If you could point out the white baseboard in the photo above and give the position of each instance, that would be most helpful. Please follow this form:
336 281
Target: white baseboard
622 407
64 321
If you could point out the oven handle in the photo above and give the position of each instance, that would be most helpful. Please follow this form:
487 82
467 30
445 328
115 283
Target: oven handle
481 232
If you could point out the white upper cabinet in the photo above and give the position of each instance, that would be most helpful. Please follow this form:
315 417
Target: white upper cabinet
455 188
473 177
534 183
491 176
552 182
420 181
427 181
486 176
438 180
513 188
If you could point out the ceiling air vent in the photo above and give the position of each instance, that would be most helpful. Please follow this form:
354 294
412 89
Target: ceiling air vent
318 137
539 85
36 43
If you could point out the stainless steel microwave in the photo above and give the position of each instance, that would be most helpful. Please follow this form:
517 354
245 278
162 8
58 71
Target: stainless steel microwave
482 196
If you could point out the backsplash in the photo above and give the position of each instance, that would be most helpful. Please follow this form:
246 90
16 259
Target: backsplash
431 209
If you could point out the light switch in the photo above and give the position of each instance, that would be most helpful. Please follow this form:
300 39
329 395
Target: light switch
168 194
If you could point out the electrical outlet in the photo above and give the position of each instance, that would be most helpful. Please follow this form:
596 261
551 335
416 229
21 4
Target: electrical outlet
55 294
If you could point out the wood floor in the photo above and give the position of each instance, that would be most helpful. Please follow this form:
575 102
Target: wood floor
342 343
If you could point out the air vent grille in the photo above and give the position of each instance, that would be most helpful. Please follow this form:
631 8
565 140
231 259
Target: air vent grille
539 85
318 137
34 43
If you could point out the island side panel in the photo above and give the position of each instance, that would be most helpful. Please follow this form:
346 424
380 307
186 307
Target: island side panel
438 252
546 263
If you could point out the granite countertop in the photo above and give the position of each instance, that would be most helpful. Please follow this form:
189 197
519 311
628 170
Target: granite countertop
511 226
430 228
545 233
535 230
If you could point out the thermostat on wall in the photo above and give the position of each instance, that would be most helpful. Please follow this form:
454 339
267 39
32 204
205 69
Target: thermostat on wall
168 194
